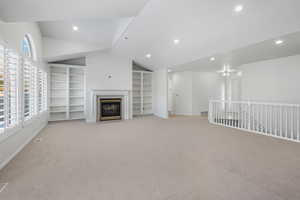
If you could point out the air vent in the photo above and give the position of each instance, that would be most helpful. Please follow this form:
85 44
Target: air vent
3 186
37 140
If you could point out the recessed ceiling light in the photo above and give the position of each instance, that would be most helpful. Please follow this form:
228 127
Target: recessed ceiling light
238 8
148 55
176 41
212 59
75 28
278 42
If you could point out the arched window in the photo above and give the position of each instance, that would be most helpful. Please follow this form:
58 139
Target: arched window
28 49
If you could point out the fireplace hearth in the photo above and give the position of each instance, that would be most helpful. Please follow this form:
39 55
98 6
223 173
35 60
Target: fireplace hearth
110 109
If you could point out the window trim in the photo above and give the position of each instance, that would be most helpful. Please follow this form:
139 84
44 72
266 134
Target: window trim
33 57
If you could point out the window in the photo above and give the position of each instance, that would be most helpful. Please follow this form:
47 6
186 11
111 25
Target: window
23 87
11 83
30 89
42 91
9 65
30 79
2 124
27 47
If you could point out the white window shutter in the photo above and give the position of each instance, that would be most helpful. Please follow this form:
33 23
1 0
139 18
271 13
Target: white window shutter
34 89
11 87
30 90
42 91
22 85
2 88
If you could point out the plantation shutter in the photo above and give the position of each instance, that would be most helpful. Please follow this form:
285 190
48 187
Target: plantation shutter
2 90
11 86
42 90
30 90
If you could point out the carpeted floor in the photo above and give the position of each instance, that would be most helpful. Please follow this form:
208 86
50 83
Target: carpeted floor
182 158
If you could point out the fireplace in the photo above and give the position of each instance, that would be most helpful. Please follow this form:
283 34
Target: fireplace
94 107
109 109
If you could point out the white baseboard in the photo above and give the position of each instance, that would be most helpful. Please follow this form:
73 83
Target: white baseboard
163 116
5 162
184 114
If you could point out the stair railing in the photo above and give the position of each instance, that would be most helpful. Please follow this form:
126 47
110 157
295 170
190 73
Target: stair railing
271 119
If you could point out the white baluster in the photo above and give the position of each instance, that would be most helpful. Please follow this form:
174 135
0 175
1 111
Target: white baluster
257 117
266 119
226 114
271 120
242 115
261 118
249 115
276 120
217 111
235 115
281 120
286 123
298 134
239 115
292 123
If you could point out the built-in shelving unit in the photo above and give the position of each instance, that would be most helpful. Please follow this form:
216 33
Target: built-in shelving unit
142 93
67 99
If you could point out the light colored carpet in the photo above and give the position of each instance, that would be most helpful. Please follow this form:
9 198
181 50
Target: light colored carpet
182 158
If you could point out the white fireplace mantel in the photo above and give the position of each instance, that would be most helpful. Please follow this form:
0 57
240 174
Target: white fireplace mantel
94 94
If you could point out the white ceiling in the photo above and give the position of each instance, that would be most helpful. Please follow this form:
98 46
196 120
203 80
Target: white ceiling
102 32
53 10
205 28
265 50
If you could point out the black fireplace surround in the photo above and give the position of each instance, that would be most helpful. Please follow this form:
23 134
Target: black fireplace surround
110 109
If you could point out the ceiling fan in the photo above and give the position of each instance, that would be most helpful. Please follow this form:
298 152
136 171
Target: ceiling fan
226 71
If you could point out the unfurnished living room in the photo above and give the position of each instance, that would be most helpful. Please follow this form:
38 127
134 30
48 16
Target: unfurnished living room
149 100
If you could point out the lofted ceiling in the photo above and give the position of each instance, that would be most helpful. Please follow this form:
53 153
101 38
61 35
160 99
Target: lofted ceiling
265 50
204 28
54 10
102 32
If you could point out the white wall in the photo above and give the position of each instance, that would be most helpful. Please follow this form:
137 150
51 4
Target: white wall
206 86
160 93
192 91
11 34
273 80
54 49
170 95
101 65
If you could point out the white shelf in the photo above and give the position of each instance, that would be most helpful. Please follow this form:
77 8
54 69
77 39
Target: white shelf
142 92
67 91
58 105
77 110
58 111
53 97
53 81
58 74
76 118
76 96
57 119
